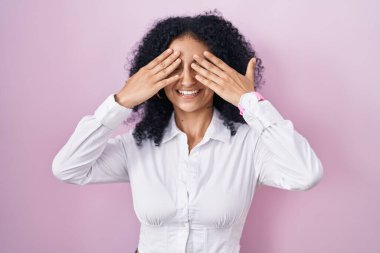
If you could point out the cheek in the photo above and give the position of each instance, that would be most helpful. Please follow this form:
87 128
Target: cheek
169 91
168 88
208 96
209 92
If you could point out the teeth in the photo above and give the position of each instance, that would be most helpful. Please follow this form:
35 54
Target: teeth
188 92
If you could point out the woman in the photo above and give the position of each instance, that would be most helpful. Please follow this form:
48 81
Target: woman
210 138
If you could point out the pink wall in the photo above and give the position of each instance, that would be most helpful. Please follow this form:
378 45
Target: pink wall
60 59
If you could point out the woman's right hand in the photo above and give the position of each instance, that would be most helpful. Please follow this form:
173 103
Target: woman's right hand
149 79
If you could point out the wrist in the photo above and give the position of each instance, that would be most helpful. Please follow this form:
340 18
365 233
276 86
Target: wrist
122 101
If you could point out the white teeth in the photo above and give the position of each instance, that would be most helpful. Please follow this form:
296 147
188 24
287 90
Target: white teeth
188 92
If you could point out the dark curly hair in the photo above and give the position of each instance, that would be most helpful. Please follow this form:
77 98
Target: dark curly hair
222 39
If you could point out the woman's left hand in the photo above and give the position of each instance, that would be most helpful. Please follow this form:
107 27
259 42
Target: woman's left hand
223 79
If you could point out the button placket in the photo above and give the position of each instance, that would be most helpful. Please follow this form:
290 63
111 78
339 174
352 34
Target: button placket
184 175
184 167
189 172
193 167
182 202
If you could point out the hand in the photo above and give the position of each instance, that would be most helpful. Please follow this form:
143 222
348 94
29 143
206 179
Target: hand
149 79
223 79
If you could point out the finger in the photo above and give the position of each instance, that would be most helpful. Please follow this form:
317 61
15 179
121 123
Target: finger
213 86
218 62
161 84
159 58
208 74
211 67
167 71
165 63
251 69
231 73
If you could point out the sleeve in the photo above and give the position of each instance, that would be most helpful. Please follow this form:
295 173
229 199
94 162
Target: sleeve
283 158
90 155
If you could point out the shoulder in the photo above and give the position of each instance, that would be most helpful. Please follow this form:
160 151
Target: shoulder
130 142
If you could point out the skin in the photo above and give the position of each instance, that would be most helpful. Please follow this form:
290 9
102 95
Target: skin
192 68
192 116
200 69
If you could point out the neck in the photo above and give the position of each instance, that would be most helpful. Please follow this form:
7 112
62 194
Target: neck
194 124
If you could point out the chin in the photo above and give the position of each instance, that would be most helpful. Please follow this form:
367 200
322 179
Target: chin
188 108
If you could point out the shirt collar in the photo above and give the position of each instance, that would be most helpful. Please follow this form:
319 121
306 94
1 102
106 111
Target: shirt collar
216 130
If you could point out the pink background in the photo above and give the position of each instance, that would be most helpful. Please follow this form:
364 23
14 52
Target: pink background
60 59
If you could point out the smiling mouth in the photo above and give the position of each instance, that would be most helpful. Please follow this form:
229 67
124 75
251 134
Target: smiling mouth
188 94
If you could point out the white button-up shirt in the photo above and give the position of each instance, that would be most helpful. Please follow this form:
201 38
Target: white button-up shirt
193 202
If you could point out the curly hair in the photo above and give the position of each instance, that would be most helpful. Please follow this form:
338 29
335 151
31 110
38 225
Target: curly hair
223 40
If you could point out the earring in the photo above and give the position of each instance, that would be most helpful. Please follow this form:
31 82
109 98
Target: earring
158 95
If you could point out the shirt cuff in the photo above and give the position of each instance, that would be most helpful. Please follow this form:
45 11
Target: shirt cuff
259 114
110 113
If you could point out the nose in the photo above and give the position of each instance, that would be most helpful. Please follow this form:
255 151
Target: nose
188 76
